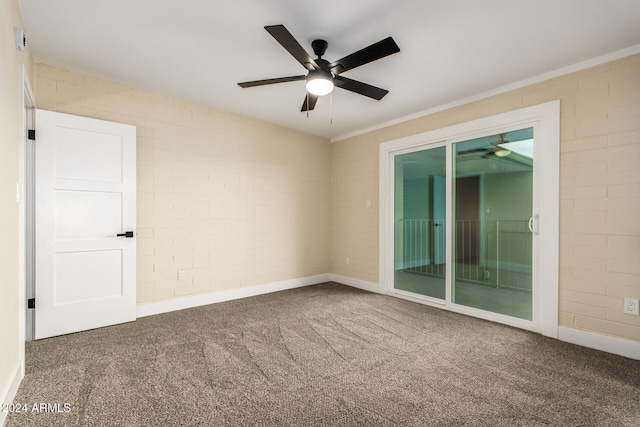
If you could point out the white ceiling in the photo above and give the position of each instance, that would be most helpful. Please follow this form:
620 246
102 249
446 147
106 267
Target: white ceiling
198 50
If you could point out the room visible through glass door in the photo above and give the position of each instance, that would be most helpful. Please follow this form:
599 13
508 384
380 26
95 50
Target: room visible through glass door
493 205
420 227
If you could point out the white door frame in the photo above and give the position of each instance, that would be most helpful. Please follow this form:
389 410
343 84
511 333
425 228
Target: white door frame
545 119
25 195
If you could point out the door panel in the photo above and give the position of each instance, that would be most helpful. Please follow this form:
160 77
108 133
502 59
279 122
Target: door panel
86 214
493 267
72 268
88 155
84 196
420 222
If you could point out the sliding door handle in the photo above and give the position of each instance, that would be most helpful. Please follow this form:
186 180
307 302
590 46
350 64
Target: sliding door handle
126 234
533 224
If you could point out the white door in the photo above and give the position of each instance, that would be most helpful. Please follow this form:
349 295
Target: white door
85 196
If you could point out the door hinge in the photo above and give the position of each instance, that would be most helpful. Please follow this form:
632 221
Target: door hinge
31 134
31 303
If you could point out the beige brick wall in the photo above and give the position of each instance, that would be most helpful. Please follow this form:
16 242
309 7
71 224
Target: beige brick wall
233 201
599 190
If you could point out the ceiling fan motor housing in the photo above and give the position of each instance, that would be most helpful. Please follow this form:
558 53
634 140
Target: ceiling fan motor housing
319 47
320 74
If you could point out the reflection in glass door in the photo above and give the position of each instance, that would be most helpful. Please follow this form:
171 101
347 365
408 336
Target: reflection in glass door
493 203
419 211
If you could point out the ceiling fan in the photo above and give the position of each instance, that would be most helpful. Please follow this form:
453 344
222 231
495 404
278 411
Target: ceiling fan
494 149
323 75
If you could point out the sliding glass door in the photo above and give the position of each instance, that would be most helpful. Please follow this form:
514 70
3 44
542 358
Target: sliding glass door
420 206
492 206
469 217
490 249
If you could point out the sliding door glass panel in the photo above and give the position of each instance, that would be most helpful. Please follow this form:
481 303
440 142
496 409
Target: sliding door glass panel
492 205
419 212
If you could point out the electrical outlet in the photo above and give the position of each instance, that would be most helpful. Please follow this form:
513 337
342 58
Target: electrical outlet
631 306
347 260
180 274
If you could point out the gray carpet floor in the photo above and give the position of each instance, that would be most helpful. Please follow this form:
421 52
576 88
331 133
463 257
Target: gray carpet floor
323 355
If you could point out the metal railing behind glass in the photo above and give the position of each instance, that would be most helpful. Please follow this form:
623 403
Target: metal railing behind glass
468 257
513 252
502 258
424 246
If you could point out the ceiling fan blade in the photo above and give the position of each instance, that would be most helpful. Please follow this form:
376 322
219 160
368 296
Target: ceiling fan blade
284 37
271 81
359 87
312 99
368 54
476 150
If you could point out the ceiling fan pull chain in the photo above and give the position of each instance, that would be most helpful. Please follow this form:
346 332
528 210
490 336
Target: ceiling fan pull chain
307 105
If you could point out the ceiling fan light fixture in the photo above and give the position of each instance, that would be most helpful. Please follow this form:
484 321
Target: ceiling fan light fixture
320 82
319 78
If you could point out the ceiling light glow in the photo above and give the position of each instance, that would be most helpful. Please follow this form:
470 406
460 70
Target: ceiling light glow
320 83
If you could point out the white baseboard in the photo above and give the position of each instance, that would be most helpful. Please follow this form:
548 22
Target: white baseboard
10 392
356 283
150 309
621 347
606 343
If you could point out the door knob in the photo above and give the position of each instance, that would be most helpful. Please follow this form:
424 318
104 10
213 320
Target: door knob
126 234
